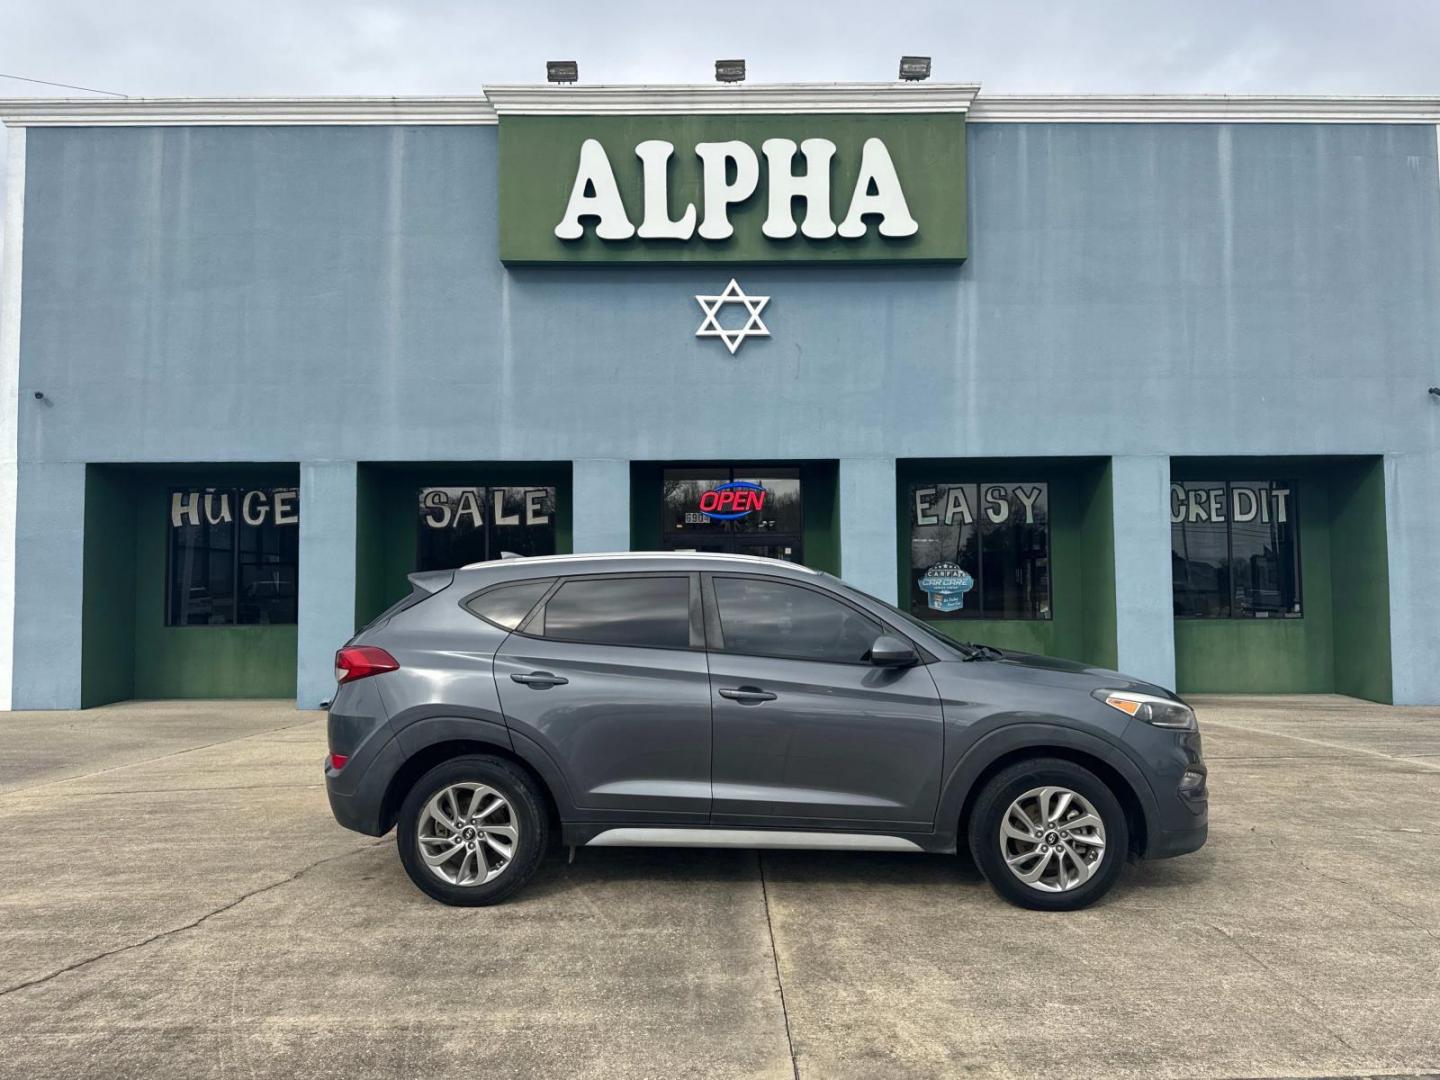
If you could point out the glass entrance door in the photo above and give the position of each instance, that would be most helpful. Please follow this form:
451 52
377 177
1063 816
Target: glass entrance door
740 510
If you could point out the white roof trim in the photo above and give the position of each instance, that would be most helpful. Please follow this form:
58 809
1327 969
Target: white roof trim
580 100
1205 108
148 112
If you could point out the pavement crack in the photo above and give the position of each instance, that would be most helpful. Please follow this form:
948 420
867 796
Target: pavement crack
1255 959
227 906
775 956
159 757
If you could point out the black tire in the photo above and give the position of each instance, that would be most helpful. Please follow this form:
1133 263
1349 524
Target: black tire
528 812
1010 784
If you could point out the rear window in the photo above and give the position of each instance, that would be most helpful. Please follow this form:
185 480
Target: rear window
648 611
507 605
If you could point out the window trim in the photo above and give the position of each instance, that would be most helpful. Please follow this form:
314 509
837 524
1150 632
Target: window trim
1230 555
715 635
697 635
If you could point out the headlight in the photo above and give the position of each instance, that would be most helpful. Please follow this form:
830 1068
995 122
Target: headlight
1162 712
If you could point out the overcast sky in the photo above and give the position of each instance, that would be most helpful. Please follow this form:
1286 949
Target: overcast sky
202 47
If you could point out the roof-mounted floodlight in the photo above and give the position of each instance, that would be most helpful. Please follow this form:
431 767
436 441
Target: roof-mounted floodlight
914 68
561 71
729 70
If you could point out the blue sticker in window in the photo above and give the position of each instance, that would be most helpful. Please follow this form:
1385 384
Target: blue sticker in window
945 585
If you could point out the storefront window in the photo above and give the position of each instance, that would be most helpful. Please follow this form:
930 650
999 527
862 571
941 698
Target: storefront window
1235 549
738 510
460 525
234 556
980 550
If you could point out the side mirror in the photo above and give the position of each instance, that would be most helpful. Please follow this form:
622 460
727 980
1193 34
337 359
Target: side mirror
889 651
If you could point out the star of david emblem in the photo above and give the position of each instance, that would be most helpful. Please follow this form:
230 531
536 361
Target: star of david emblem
733 294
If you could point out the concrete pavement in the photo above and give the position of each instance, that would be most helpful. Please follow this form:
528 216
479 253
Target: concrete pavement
175 900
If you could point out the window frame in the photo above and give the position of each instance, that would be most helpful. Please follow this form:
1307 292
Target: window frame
696 622
715 634
237 520
1294 523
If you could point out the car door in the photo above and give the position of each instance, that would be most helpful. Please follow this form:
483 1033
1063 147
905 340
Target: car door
608 676
807 733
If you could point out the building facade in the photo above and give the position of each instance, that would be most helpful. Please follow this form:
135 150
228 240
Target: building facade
1143 382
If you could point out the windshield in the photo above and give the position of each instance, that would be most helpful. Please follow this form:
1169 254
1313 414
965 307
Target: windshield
921 629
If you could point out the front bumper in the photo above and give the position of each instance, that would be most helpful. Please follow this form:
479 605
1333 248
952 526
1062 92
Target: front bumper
1166 845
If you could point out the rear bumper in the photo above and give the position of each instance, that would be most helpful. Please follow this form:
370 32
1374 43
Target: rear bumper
357 792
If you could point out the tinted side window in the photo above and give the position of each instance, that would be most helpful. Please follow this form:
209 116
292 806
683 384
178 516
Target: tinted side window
771 618
509 604
652 611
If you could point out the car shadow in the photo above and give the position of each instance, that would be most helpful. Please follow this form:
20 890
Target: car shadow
615 866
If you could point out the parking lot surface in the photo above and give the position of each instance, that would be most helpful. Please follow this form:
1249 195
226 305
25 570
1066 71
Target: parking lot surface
176 901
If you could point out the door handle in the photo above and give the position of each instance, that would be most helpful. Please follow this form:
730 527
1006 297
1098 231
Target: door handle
747 695
541 680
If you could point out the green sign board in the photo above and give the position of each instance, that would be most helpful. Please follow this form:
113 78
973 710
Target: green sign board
741 188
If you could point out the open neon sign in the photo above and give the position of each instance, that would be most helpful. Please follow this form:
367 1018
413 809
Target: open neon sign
729 502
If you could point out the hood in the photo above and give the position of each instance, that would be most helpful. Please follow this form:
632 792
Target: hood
1055 671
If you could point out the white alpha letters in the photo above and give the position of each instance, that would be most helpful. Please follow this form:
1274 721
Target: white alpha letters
888 201
595 174
534 512
719 191
654 155
468 505
924 503
184 508
286 513
498 494
437 508
813 187
220 515
248 513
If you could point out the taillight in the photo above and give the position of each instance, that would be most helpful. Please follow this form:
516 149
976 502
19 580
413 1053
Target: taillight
337 761
361 661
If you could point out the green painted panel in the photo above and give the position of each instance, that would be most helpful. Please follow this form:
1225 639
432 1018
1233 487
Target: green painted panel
107 648
1096 565
539 156
1082 559
820 490
1360 579
386 529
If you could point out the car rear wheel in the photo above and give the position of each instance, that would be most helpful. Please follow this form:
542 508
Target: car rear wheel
1049 834
472 831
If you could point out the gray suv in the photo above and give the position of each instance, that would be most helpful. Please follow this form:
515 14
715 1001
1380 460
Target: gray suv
730 701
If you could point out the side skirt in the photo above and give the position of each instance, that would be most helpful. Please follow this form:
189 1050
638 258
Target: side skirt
749 838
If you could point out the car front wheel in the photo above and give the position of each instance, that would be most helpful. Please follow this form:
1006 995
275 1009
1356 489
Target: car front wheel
1049 834
472 830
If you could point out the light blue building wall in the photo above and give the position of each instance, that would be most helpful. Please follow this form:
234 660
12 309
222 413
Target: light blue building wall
332 295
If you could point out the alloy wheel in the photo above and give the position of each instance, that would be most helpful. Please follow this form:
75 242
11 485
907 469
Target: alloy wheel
467 834
1052 839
